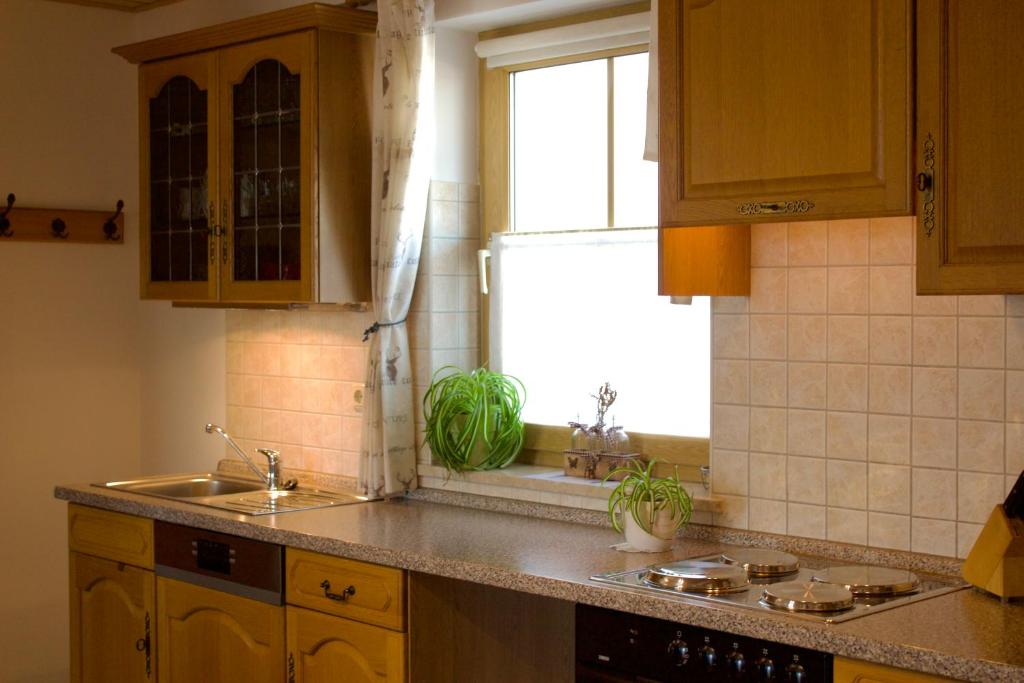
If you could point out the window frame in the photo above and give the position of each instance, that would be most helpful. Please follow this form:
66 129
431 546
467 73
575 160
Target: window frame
544 443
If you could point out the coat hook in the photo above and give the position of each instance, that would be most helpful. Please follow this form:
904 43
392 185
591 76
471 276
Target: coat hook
59 228
110 227
5 222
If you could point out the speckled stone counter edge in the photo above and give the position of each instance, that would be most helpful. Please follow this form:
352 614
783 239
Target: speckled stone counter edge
771 627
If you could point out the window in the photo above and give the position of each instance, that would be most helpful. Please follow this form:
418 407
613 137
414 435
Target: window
571 209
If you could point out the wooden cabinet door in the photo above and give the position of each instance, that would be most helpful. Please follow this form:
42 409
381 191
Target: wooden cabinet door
970 104
205 636
325 649
854 671
267 124
111 609
178 178
783 110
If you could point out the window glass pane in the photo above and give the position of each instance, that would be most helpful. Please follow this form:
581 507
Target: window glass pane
636 180
559 147
571 311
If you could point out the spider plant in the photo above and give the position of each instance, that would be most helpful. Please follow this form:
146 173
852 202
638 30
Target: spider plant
643 496
474 419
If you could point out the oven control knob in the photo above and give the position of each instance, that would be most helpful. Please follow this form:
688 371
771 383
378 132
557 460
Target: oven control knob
737 664
709 657
795 673
765 669
679 651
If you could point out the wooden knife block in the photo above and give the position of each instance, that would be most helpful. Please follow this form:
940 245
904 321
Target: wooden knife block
996 562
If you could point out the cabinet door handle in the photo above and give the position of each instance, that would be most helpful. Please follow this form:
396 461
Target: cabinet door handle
926 185
225 232
790 206
340 597
214 231
143 645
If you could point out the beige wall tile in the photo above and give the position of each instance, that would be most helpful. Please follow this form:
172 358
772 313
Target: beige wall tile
808 337
732 381
469 220
768 430
977 494
847 435
891 290
768 475
1015 396
806 432
768 383
807 388
982 305
966 535
892 241
469 192
731 427
730 336
981 342
444 219
768 337
888 531
805 479
1015 305
807 290
768 290
932 536
935 305
312 396
847 526
890 340
808 243
729 304
768 516
848 290
889 488
1014 448
981 394
848 242
934 493
441 190
848 339
847 484
847 387
980 446
890 389
935 341
807 521
934 443
889 439
934 392
734 512
1015 343
768 244
729 471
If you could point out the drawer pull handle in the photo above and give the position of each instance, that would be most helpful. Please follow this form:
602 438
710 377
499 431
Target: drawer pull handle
340 597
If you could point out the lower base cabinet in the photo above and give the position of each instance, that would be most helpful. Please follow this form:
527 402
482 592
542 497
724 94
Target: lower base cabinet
327 649
853 671
206 636
111 612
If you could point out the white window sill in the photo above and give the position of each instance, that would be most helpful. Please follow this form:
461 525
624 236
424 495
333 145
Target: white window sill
548 485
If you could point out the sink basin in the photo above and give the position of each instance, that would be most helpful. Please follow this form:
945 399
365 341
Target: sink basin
232 493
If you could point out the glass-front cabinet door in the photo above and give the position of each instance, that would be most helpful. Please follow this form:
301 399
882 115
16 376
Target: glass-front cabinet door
178 166
266 92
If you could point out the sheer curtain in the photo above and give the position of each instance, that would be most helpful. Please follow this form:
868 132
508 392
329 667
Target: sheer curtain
403 131
559 301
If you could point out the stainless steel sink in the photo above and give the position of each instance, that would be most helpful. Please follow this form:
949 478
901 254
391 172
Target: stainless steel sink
233 493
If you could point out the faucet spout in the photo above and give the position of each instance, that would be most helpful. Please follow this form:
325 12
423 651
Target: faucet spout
272 478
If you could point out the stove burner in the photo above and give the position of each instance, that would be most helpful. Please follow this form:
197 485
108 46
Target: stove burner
863 580
761 562
807 596
694 576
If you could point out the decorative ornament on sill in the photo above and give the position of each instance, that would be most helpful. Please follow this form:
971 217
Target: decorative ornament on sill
595 450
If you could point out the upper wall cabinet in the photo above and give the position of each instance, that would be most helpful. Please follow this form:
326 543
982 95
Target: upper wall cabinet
255 159
970 105
784 110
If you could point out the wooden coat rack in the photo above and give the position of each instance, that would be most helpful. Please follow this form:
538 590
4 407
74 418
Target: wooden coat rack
18 224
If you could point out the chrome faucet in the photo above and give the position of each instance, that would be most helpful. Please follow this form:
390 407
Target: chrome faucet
272 477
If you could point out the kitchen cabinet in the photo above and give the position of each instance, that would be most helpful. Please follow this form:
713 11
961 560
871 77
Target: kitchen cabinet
781 111
323 648
970 101
208 635
111 611
853 671
255 159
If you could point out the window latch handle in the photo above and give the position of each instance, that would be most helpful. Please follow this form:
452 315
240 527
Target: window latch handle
481 259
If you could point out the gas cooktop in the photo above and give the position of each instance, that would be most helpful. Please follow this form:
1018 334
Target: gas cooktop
762 579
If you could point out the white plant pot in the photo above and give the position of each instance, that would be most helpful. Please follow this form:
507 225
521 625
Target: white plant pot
664 532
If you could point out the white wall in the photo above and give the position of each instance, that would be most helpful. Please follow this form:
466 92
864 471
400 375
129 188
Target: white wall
456 102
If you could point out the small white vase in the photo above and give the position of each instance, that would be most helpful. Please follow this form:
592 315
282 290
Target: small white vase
664 529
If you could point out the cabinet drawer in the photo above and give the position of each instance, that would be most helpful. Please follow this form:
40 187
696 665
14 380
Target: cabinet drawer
115 536
853 671
355 590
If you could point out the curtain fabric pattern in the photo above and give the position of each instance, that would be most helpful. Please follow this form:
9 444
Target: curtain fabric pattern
403 132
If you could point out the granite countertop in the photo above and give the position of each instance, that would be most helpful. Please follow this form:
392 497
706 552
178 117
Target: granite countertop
964 634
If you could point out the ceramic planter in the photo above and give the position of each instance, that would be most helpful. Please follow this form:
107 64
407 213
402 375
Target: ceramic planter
663 530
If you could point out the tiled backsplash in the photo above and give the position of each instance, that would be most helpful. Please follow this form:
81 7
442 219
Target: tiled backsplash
848 408
295 378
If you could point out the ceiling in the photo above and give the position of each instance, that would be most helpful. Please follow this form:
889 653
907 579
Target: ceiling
122 5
